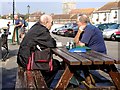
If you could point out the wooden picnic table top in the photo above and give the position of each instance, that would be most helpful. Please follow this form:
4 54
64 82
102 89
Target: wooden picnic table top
84 58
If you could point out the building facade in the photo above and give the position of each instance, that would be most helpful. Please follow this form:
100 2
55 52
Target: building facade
64 18
109 13
68 6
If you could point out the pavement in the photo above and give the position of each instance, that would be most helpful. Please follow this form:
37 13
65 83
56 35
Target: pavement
9 69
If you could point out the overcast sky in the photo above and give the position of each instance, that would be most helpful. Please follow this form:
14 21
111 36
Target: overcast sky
47 6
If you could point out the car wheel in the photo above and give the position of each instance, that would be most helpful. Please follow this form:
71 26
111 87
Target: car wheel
57 33
66 34
113 37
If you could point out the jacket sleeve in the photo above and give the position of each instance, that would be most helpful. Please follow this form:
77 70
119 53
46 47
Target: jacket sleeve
45 40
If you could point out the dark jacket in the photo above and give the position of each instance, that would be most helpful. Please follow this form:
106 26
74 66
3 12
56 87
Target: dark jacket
37 35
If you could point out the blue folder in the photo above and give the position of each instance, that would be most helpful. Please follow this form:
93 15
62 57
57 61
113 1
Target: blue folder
77 50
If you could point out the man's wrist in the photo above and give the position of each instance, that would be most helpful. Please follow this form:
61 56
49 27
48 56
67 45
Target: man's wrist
80 30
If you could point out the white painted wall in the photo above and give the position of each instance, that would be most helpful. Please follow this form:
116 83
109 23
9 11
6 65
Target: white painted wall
3 23
94 17
109 17
119 16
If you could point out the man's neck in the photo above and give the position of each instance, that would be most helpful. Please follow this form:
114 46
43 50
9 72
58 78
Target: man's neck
84 25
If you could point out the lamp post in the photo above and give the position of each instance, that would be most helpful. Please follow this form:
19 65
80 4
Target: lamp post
28 15
13 10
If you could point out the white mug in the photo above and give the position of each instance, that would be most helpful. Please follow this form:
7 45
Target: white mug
59 44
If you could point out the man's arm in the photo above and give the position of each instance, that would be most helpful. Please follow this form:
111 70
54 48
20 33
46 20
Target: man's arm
76 39
20 24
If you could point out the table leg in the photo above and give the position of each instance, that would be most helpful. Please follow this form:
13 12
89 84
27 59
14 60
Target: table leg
64 80
115 75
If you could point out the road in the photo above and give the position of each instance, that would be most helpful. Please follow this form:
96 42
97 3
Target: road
9 67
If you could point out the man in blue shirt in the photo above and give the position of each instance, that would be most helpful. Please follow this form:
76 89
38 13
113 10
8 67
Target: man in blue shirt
18 24
91 37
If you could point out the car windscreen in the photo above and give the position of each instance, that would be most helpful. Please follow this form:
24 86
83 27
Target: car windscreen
115 26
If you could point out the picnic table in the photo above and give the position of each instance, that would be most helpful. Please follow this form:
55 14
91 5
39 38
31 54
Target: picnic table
90 60
72 62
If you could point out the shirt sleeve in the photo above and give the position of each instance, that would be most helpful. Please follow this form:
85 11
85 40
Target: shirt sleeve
86 37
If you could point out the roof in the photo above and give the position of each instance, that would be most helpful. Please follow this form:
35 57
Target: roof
64 16
87 11
38 13
109 6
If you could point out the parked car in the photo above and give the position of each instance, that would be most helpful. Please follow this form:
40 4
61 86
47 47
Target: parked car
70 29
60 29
104 26
56 30
116 35
111 31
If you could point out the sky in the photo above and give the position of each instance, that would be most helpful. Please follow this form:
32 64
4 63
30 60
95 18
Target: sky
47 6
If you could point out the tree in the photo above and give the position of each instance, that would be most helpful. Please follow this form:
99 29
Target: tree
4 17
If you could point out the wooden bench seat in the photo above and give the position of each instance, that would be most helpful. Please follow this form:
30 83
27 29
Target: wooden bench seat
30 80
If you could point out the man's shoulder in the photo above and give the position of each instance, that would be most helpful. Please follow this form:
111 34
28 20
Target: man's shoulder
18 20
38 28
90 28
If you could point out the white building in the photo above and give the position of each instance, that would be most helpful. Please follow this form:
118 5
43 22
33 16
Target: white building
109 13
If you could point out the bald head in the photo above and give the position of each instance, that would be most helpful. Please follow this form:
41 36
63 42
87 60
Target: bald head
83 18
16 17
46 20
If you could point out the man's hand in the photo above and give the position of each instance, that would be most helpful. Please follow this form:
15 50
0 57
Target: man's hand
76 39
81 44
14 26
81 28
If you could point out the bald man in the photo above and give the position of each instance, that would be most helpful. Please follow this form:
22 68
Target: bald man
37 35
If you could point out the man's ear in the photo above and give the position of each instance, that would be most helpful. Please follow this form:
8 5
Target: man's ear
46 22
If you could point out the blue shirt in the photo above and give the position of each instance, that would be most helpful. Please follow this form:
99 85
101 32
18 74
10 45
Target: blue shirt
93 38
17 22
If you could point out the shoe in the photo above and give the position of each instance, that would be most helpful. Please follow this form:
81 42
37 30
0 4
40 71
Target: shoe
13 43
